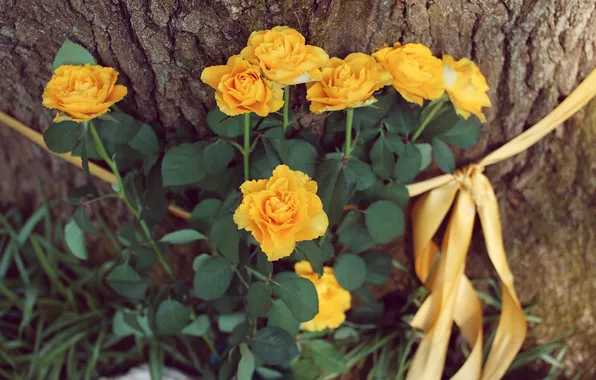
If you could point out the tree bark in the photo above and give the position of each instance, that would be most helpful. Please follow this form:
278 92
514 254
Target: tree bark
533 53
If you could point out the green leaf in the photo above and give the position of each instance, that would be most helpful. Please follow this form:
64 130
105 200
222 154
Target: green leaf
353 234
87 142
156 359
378 267
127 282
425 154
199 260
203 213
300 155
145 141
183 165
364 295
75 240
182 237
228 322
212 278
269 374
408 164
402 118
63 137
225 238
171 317
224 125
263 264
258 299
350 271
280 316
345 333
369 117
385 221
332 187
144 258
304 369
85 156
313 253
274 346
382 158
443 156
441 124
218 155
78 194
325 356
299 295
72 54
198 327
246 365
327 250
464 134
82 220
359 173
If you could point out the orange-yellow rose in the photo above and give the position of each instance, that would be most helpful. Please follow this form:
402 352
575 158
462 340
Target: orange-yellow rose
281 211
240 88
81 93
334 300
347 83
417 74
284 57
466 87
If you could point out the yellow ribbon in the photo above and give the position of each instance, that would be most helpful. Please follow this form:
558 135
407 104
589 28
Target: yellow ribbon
452 297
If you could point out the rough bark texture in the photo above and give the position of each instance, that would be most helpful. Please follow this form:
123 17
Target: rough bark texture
533 52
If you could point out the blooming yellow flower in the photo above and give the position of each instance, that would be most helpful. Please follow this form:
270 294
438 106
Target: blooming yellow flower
347 83
466 87
284 57
334 300
417 74
81 93
241 89
281 211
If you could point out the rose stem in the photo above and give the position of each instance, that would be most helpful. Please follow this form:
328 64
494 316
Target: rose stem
286 107
349 118
439 103
246 151
122 195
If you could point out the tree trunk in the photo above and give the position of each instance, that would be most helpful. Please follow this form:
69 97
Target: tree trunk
533 52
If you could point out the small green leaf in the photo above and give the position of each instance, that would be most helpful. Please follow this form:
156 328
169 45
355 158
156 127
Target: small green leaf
313 253
378 267
327 250
212 278
464 134
224 125
332 186
364 294
353 234
156 359
402 118
382 158
258 299
171 317
203 213
127 282
199 260
280 316
85 156
345 333
300 155
75 240
218 156
78 194
325 356
63 137
359 173
350 271
299 295
72 54
145 141
443 156
225 238
408 164
82 220
425 154
385 221
183 165
274 346
198 327
182 237
246 365
144 258
263 265
228 322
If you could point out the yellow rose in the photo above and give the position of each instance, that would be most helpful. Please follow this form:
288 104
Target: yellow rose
417 74
241 89
284 56
334 300
81 93
281 211
466 87
347 83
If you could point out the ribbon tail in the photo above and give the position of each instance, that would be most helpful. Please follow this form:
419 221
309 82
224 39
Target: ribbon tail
512 327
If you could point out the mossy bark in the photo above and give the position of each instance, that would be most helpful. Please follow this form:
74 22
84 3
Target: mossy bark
533 52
